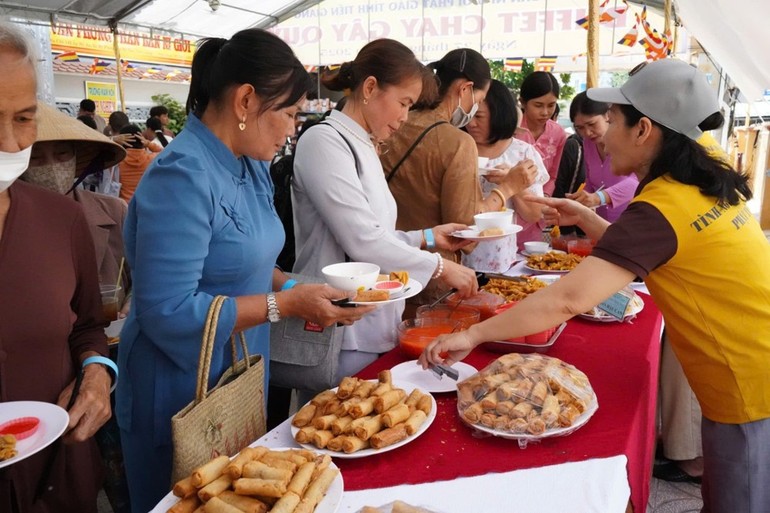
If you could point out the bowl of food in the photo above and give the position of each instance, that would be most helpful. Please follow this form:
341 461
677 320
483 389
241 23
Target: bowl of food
351 275
536 247
465 315
486 220
415 334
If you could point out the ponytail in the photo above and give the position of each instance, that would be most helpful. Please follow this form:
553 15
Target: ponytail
203 63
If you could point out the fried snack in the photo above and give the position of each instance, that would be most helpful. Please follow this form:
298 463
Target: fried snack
322 463
186 505
316 491
521 410
473 413
364 389
184 488
402 276
388 436
371 296
215 487
345 407
323 398
491 232
415 420
536 426
538 394
260 487
217 505
346 388
388 400
304 416
260 470
305 435
339 426
554 261
243 503
568 415
335 444
321 438
514 290
489 402
302 478
555 232
384 376
368 428
413 398
286 504
7 447
279 462
381 389
205 474
505 407
351 444
425 404
324 422
395 415
362 408
248 454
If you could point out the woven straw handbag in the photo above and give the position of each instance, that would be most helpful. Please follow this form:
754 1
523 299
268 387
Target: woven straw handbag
226 418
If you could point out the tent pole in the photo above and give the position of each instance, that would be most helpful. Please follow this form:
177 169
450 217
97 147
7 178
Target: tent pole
118 64
592 44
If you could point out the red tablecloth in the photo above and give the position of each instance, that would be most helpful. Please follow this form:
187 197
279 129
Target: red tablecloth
620 360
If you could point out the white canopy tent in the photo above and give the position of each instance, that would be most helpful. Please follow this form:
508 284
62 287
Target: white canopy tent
732 31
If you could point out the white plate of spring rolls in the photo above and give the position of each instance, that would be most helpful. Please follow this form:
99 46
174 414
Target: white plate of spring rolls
412 372
416 423
329 502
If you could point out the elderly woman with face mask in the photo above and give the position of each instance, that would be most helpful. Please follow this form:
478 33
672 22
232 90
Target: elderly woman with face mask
51 326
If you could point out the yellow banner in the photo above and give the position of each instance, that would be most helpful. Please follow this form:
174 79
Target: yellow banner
134 46
104 96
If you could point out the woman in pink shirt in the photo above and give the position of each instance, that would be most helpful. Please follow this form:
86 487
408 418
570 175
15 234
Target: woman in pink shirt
609 193
538 95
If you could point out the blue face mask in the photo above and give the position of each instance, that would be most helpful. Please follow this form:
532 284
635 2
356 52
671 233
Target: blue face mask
12 165
460 118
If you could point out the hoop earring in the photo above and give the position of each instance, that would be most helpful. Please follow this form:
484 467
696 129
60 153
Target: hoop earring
242 124
366 101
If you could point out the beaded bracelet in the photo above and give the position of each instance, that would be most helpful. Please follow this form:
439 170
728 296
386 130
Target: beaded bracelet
107 363
440 268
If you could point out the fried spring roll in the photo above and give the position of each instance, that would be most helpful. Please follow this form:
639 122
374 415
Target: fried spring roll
388 400
301 478
324 422
346 405
263 487
518 425
368 428
215 487
385 376
568 415
521 410
217 505
346 388
351 444
279 463
305 414
331 407
321 438
536 426
473 413
539 392
504 407
413 398
242 502
381 389
522 389
259 470
205 474
248 454
501 422
305 435
465 394
364 389
335 444
493 381
489 402
186 505
414 421
316 491
425 403
323 398
184 488
399 413
322 463
362 408
551 410
505 391
286 504
340 425
388 436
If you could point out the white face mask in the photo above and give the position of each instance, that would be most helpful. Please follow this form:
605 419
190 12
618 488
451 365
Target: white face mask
460 118
12 165
56 176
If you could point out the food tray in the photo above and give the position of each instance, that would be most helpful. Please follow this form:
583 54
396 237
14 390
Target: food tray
505 346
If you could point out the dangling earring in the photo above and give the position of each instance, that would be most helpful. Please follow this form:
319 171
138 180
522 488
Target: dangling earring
242 124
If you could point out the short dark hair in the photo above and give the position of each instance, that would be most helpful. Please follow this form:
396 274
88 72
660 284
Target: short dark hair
537 84
503 115
88 121
387 60
133 130
252 56
87 105
582 104
461 63
153 123
158 111
118 119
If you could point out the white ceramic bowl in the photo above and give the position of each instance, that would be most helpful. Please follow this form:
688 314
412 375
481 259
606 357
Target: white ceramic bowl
351 275
502 219
536 247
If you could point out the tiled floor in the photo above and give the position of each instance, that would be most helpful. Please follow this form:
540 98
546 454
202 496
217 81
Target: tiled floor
668 497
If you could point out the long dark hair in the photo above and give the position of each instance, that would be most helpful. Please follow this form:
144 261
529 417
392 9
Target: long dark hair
252 56
154 124
537 84
387 60
688 162
582 104
462 63
503 115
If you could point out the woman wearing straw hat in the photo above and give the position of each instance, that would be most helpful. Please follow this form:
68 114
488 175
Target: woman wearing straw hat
689 233
51 321
66 149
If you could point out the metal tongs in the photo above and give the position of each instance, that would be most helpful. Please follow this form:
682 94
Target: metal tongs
440 371
481 278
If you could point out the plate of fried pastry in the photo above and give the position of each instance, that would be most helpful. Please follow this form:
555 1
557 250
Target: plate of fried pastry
473 233
526 397
362 418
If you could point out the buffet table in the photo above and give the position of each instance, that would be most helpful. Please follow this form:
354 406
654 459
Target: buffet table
620 360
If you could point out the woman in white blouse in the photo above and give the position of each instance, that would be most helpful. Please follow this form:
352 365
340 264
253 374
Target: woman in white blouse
343 208
492 128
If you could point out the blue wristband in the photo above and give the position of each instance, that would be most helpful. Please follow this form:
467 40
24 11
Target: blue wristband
430 240
107 363
288 284
602 198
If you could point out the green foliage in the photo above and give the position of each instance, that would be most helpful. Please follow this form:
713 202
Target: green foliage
618 78
176 111
513 79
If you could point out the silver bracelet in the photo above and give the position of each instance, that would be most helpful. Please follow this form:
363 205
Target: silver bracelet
440 268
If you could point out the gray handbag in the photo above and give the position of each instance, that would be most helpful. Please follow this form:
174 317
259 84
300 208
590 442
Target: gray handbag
304 355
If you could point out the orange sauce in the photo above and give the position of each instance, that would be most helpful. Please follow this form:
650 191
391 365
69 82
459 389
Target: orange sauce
414 340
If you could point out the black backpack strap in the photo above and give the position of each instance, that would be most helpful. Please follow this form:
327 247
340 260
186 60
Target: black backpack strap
350 146
411 149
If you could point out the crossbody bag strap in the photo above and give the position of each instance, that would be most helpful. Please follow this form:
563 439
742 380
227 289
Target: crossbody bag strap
577 168
350 146
411 149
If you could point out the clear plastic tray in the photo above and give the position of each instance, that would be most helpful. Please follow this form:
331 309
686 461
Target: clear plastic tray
504 346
